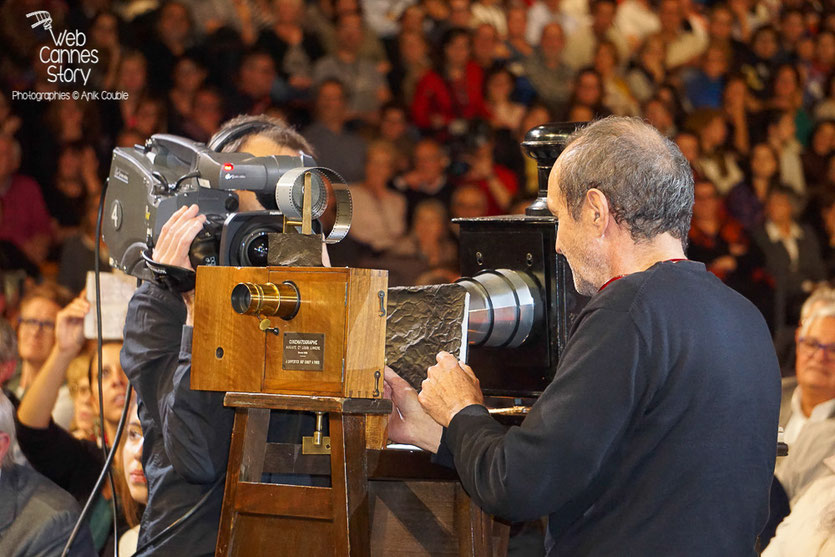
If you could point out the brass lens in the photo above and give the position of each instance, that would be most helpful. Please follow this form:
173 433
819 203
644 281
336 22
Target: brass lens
266 299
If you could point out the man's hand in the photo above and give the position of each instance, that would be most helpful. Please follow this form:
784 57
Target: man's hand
69 326
176 237
174 243
409 423
448 388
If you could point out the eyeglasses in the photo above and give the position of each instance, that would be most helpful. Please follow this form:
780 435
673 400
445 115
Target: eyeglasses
810 346
47 326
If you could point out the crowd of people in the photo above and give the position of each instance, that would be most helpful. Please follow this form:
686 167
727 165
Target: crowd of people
420 105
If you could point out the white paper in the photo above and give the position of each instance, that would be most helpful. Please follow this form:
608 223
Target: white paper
116 291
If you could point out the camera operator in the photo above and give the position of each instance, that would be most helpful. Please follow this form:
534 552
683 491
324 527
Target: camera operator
658 433
187 432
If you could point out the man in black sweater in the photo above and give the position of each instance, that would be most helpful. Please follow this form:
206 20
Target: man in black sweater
657 435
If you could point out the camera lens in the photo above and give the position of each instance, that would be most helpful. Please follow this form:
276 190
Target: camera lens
255 247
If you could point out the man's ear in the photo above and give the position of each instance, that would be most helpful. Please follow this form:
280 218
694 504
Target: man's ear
597 207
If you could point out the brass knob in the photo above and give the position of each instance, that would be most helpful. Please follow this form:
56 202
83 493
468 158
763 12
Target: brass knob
283 299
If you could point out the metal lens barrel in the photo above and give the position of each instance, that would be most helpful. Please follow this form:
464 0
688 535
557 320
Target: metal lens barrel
266 299
505 306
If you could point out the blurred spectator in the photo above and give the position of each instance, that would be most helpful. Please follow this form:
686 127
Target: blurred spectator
8 353
172 36
545 12
379 218
131 471
492 13
715 162
132 79
816 158
780 134
549 75
792 255
394 129
759 63
703 87
38 516
485 45
792 29
454 89
104 37
616 95
720 30
685 37
410 65
746 201
206 115
294 49
647 71
335 147
787 95
720 242
637 20
468 201
78 252
735 104
582 43
188 77
24 220
516 47
366 88
427 178
84 417
588 92
255 83
657 113
498 88
39 309
496 181
822 69
825 108
826 208
428 240
75 182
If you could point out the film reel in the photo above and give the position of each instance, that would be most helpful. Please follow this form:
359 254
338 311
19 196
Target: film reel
289 195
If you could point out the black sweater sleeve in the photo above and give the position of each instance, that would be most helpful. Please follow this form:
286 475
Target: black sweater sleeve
73 464
156 357
565 445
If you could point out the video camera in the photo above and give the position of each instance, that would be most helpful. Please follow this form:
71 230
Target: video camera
149 182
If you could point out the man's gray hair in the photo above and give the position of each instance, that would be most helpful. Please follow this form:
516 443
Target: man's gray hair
7 426
8 342
645 178
824 308
270 127
822 294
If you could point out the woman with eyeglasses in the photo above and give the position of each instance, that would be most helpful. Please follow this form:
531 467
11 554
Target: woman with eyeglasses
35 339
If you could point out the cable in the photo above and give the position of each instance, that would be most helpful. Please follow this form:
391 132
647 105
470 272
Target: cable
105 472
108 456
179 522
193 174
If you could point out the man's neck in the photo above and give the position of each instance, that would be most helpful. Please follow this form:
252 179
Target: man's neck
809 399
630 257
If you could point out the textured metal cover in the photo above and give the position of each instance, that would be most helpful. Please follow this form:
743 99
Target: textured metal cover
295 250
422 321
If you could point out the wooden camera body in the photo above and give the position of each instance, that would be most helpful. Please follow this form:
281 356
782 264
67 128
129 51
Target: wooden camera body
316 331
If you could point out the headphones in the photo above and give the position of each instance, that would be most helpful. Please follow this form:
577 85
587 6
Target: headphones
223 138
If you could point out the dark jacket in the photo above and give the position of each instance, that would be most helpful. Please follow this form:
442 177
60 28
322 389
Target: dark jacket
37 516
657 435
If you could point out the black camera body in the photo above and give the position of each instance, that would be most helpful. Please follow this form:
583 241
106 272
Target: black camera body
148 183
